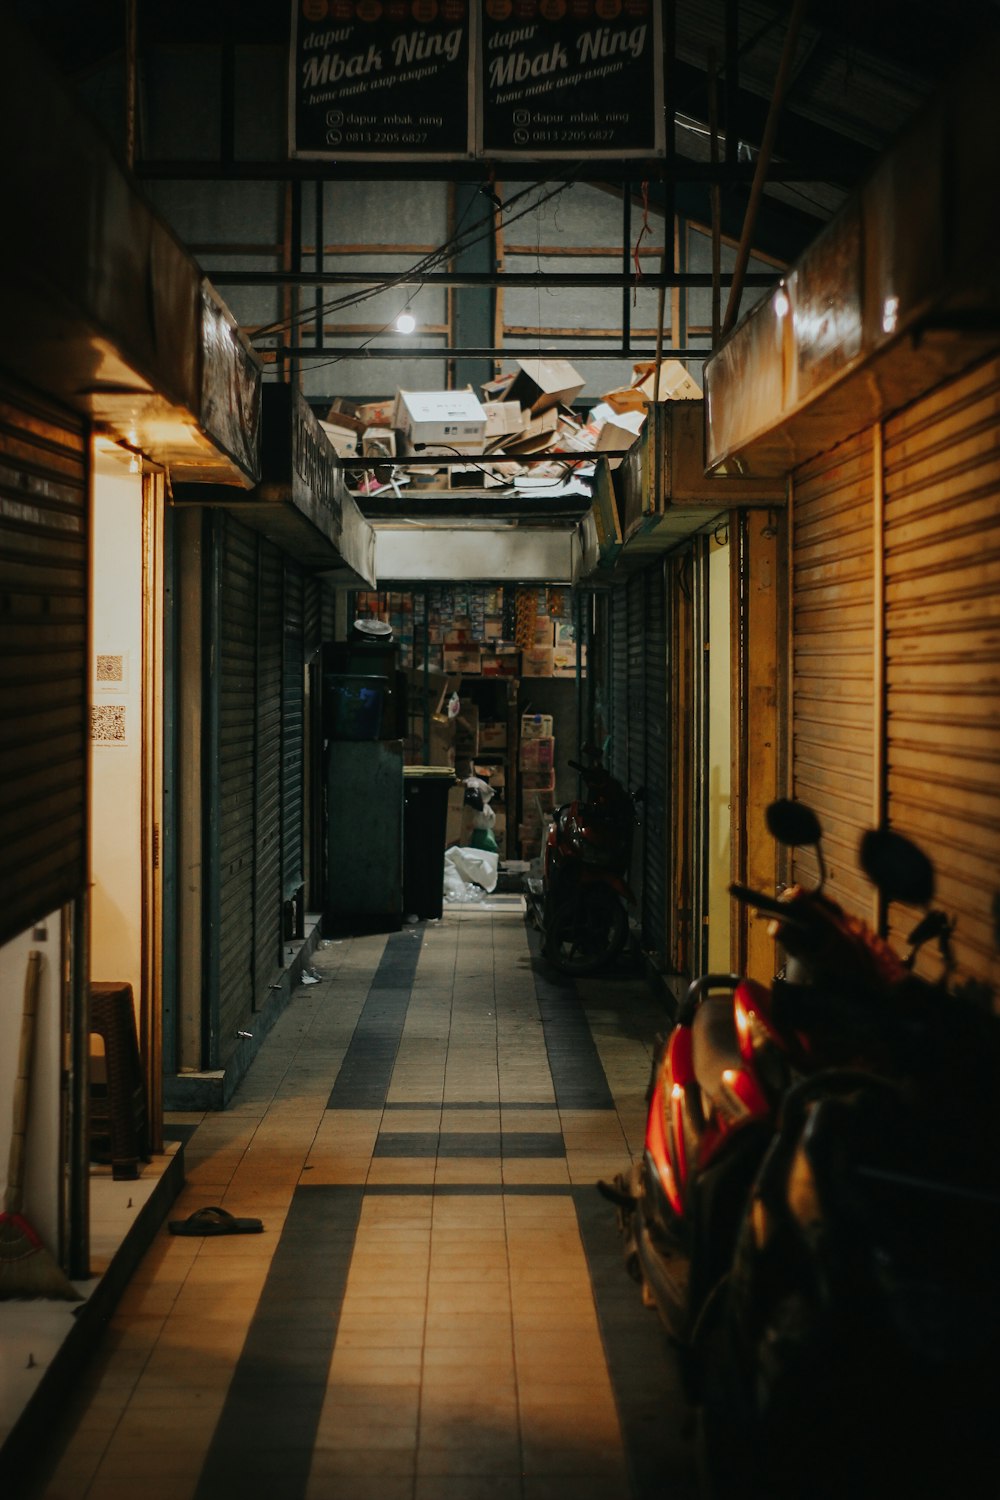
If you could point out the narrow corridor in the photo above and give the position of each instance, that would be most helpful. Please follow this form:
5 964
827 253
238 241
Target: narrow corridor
437 1308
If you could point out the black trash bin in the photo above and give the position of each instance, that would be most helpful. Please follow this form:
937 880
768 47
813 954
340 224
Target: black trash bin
425 821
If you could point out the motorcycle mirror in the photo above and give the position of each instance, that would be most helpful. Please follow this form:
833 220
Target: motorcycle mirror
900 870
792 823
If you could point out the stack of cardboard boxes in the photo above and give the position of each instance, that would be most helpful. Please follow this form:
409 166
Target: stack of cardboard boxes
536 765
527 413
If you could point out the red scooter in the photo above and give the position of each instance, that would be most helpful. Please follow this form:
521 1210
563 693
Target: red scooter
581 901
852 1346
718 1080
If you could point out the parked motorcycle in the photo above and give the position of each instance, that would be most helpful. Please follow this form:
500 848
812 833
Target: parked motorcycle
816 1216
719 1078
580 902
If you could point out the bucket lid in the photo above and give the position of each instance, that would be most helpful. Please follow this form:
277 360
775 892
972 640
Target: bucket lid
373 630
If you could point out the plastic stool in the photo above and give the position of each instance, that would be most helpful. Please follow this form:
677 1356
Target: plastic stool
119 1122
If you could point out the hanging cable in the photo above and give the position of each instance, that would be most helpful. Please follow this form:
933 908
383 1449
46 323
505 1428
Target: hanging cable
642 234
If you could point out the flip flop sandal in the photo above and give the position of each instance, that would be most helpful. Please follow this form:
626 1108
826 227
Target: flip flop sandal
214 1220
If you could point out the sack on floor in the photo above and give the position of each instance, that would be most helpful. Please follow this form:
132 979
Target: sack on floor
469 872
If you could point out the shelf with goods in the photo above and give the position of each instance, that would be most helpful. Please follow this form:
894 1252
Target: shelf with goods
470 653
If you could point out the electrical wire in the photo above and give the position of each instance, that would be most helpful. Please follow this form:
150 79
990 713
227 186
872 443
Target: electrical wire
456 243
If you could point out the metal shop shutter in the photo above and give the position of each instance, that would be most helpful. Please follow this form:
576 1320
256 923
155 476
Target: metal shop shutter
942 614
833 659
268 795
44 677
237 637
312 604
653 811
618 759
292 734
635 609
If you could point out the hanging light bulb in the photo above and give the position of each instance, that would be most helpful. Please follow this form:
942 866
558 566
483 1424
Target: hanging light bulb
405 323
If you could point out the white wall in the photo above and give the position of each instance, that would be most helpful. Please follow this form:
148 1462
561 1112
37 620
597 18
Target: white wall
116 786
41 1192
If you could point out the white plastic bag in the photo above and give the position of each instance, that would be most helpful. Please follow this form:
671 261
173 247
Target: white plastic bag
477 867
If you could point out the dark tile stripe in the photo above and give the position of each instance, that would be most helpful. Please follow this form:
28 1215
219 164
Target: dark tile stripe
268 1426
470 1143
577 1073
469 1190
366 1071
643 1369
504 1104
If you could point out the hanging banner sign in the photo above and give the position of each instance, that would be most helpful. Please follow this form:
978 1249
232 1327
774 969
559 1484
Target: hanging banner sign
570 78
381 79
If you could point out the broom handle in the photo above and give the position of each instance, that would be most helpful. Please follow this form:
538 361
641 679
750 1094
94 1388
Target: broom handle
22 1086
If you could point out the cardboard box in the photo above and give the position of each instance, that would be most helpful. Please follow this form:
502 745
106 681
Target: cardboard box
439 687
537 662
675 384
455 418
441 743
564 661
620 434
538 781
541 383
492 736
501 663
503 418
465 660
537 754
534 725
467 730
376 413
544 631
378 442
536 435
344 434
456 819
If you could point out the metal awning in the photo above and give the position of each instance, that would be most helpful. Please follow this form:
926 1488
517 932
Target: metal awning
901 291
102 308
301 503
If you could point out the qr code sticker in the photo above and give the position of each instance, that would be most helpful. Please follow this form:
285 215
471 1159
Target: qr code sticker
107 723
110 669
111 672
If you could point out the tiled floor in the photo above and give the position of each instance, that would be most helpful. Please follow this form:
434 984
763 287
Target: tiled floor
437 1308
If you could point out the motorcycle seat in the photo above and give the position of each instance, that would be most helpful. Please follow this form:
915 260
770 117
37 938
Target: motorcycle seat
715 1050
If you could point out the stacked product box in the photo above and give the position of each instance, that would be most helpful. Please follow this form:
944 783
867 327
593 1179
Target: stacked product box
536 764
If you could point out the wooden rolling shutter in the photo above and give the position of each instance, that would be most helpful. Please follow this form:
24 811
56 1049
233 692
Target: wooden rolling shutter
653 811
267 864
44 675
237 636
942 600
292 735
833 659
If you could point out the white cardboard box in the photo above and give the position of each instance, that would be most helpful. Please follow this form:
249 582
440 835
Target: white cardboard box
345 442
455 418
503 418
